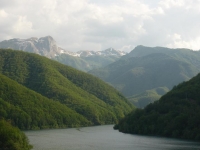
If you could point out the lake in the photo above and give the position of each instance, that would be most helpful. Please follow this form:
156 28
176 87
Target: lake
102 138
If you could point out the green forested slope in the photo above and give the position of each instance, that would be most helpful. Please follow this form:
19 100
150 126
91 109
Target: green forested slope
30 110
11 138
176 114
96 101
148 68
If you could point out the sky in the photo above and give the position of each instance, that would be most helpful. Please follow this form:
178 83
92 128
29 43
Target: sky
100 24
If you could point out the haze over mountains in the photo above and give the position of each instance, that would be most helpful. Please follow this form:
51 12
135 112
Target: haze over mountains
143 75
46 46
147 73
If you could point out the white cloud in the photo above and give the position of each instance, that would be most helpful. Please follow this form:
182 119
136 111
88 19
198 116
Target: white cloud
3 14
172 3
97 25
22 25
179 42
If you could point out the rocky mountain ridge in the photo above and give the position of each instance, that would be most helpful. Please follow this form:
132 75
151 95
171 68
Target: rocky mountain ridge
47 46
86 53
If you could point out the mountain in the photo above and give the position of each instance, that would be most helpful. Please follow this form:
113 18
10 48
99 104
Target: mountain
46 46
88 60
175 115
147 68
108 52
78 95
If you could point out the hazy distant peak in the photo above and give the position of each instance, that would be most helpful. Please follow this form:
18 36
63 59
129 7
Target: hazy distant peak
107 52
45 46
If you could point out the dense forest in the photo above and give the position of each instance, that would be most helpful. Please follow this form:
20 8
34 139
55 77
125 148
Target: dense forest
30 110
176 114
37 92
11 138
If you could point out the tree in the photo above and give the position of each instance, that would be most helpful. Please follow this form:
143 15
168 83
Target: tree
11 138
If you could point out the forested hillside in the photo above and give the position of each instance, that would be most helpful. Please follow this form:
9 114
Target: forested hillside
30 110
11 138
77 93
176 114
145 69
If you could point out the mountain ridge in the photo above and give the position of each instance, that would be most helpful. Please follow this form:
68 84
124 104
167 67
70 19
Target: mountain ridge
46 45
175 114
84 60
146 68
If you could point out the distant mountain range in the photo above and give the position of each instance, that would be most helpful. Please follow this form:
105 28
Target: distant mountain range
143 75
146 73
46 46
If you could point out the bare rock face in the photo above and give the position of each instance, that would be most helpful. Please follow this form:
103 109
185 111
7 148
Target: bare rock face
45 46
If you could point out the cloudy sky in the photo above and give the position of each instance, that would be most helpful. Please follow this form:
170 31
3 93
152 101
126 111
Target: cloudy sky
100 24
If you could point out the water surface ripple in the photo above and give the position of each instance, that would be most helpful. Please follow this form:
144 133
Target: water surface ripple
102 138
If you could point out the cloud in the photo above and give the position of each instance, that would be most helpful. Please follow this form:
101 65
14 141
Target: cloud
3 14
22 25
97 25
172 3
179 42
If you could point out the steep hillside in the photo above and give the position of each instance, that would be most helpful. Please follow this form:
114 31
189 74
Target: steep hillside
98 102
148 68
176 114
29 110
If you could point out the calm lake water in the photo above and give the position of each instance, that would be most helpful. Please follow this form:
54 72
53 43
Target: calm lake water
102 138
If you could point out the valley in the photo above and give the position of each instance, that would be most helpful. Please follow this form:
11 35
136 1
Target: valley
142 76
38 92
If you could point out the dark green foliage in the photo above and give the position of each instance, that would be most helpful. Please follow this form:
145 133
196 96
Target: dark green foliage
85 98
148 68
11 138
176 114
30 110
